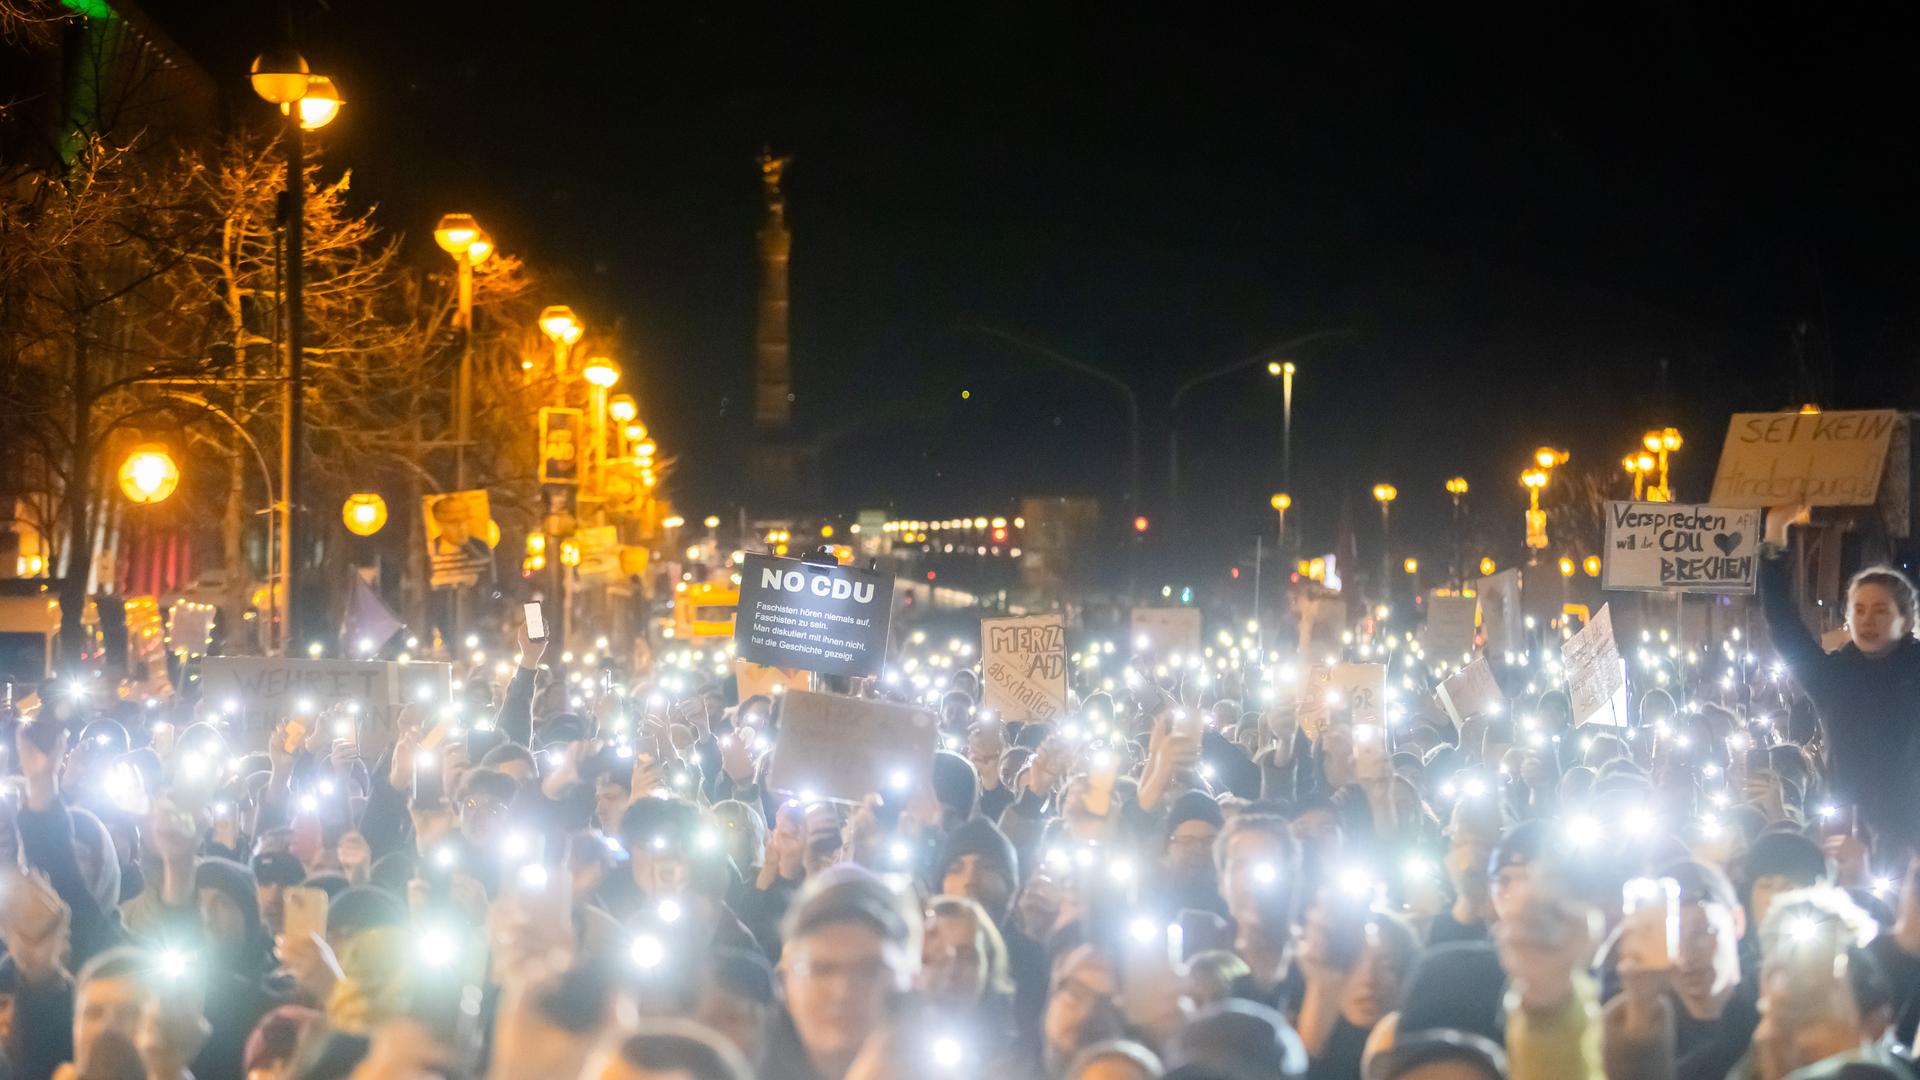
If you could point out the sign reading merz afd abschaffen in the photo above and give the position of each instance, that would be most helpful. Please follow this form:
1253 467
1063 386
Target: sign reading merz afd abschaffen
827 619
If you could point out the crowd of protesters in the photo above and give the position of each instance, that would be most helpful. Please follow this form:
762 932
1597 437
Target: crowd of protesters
586 873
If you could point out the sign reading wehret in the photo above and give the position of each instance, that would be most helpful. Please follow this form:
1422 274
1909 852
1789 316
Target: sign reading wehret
822 618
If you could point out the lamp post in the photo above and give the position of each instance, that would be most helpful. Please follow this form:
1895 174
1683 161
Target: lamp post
1534 480
1636 466
309 102
149 475
460 236
1286 423
563 328
1281 502
1457 489
1384 494
1661 443
600 374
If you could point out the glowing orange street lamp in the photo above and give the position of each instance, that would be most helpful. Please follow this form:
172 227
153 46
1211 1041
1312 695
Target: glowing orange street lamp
364 513
149 474
1661 443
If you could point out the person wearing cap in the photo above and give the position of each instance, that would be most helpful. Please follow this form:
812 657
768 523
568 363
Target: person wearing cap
852 948
274 872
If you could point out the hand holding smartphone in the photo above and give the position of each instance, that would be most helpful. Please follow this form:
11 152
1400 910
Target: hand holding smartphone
305 912
536 621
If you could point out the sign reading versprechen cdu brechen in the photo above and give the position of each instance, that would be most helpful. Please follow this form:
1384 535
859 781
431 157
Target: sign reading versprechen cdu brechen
822 618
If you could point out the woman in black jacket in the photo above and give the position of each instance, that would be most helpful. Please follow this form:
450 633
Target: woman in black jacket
1867 692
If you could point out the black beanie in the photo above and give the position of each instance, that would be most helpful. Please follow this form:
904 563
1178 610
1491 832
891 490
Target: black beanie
981 837
236 883
1788 854
955 784
1194 806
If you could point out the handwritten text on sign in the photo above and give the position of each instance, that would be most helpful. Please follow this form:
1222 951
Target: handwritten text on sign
1822 459
829 619
1706 549
1596 678
1025 666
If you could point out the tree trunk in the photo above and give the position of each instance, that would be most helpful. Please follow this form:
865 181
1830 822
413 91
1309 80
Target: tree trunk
233 524
73 587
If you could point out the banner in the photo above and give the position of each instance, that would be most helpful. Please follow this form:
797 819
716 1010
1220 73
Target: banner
272 687
759 680
1660 546
1471 691
1822 459
1023 664
842 748
1164 632
827 619
1500 615
1596 676
562 441
1448 637
457 525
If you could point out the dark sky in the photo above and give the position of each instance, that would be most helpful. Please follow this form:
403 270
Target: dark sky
1523 214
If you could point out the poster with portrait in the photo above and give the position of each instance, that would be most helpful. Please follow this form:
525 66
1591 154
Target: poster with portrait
458 526
562 445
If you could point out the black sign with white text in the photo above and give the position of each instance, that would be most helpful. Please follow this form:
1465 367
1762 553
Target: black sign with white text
828 619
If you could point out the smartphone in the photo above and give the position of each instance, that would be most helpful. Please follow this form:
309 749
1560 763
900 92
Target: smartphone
1188 724
1370 760
429 788
1650 929
536 621
306 912
1100 778
296 734
1843 821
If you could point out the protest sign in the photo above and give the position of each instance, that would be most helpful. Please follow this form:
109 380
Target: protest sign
599 551
1596 676
834 747
1821 459
268 688
1023 665
457 530
1356 693
1311 707
1165 632
1448 637
759 680
825 618
1471 691
1500 615
1686 548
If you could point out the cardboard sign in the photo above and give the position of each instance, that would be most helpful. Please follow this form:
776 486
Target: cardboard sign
834 747
1821 459
1165 632
1023 667
759 680
1680 547
599 551
457 530
1500 614
1596 676
1448 637
1356 693
270 687
561 445
828 619
1311 707
1471 691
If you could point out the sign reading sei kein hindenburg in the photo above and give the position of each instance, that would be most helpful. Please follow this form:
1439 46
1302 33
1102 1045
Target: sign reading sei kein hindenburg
1687 548
827 619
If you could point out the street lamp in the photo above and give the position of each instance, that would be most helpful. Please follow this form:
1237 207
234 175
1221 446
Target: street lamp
1457 488
1637 466
1286 422
1547 457
364 513
1662 442
1534 480
1384 494
563 328
282 77
1487 566
149 474
460 236
600 374
1281 502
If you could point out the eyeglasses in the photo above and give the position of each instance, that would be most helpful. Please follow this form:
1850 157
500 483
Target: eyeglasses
858 973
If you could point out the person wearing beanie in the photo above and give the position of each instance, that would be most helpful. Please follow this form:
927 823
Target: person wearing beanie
977 861
956 786
1780 862
274 872
845 921
238 954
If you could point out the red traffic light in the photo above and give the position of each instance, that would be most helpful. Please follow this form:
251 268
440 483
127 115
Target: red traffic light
1140 524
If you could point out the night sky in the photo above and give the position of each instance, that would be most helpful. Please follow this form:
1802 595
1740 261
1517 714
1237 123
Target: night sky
1523 214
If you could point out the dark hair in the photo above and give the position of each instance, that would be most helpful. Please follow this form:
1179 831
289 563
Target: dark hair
1894 582
1435 1046
686 1047
504 753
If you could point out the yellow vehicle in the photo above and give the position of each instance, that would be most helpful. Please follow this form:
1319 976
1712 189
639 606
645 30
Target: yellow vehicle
702 611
